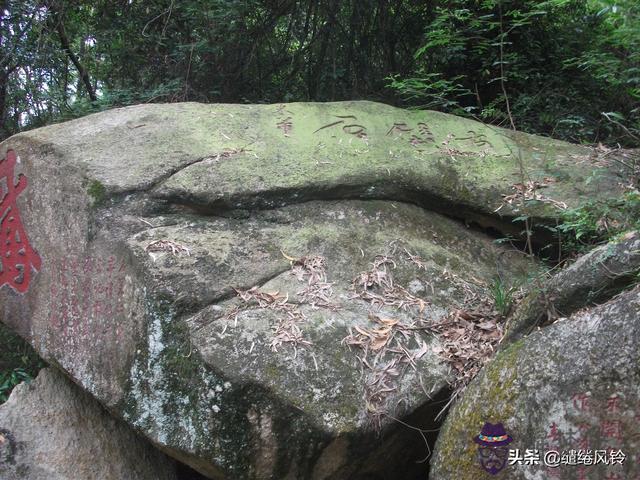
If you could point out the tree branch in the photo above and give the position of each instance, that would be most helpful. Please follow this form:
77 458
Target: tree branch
66 45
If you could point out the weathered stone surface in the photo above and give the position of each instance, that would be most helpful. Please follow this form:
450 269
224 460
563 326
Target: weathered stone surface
51 430
571 386
145 219
594 277
238 156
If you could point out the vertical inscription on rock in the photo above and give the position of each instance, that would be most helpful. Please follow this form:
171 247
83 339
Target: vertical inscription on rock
87 297
17 257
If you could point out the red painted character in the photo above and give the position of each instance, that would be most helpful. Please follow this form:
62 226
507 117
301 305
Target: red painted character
16 254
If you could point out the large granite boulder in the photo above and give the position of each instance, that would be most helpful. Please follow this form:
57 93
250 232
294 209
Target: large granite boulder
568 396
248 285
52 430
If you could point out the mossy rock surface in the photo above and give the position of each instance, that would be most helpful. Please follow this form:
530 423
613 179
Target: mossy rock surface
571 386
148 220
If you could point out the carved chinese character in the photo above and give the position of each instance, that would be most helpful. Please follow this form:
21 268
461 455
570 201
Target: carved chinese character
581 401
17 256
611 429
613 404
554 434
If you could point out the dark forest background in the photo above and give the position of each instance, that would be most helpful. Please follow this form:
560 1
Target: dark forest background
565 68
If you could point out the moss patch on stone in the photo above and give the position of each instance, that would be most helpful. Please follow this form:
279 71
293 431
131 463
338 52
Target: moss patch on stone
97 191
471 413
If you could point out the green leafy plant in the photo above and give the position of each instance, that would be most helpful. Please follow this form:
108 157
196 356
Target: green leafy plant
563 63
431 91
18 361
597 222
10 379
503 296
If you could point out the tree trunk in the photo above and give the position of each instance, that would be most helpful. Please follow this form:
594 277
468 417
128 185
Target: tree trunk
4 130
66 45
65 83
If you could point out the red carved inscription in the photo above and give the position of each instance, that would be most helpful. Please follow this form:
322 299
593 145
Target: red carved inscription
17 257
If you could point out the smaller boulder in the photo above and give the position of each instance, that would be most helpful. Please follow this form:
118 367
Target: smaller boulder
594 277
51 430
562 403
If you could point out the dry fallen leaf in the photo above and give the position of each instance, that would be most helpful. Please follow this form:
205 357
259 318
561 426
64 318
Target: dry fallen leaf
378 343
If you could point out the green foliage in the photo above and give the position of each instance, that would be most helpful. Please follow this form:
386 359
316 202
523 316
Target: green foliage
97 192
18 362
432 92
560 64
10 379
503 296
198 50
554 66
598 222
